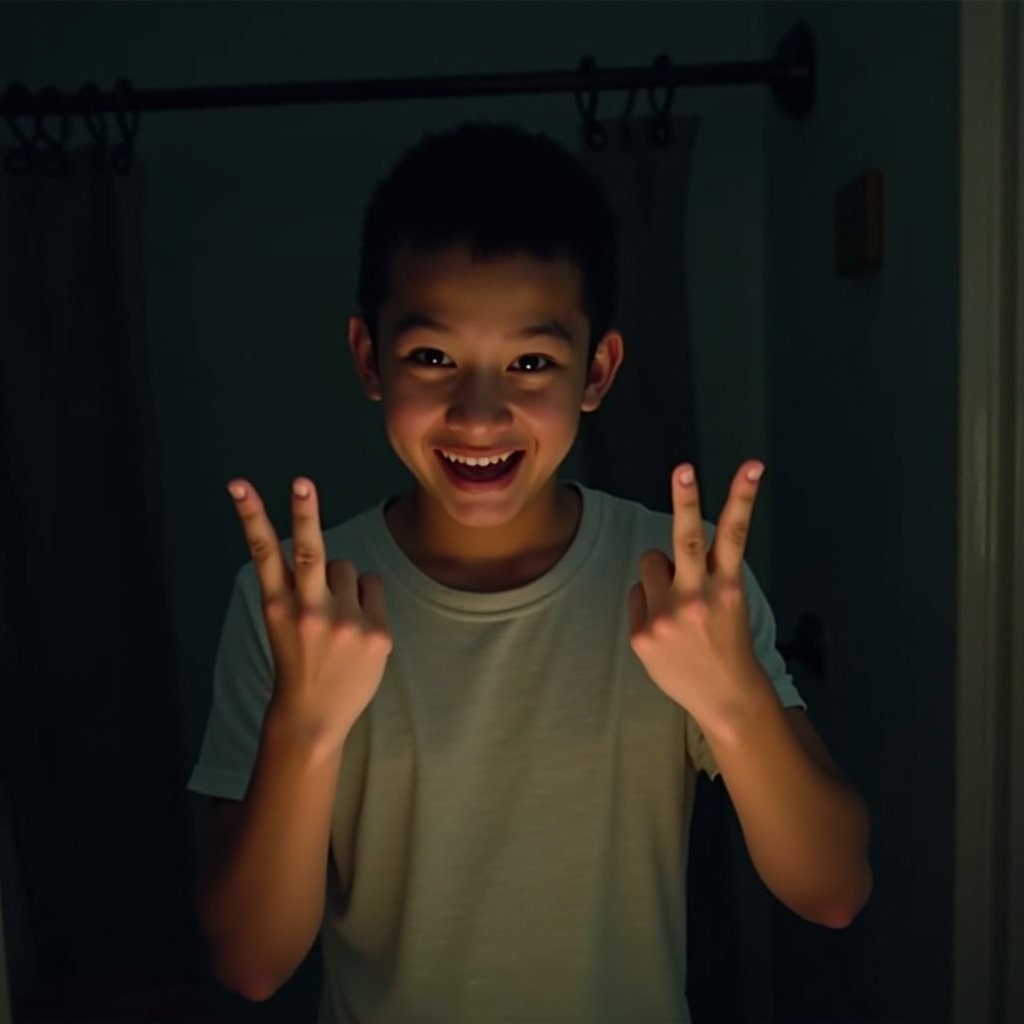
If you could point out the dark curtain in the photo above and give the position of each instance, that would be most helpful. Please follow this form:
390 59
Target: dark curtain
89 746
646 424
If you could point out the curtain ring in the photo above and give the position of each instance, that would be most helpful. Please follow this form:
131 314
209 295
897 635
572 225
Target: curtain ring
20 161
661 130
94 120
128 122
53 158
596 136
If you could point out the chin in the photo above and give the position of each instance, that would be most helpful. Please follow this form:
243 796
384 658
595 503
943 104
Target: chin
481 515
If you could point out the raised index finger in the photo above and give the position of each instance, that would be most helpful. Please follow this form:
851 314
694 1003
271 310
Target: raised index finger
262 540
688 538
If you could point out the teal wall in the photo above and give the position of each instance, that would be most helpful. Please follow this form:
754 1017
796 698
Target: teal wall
862 416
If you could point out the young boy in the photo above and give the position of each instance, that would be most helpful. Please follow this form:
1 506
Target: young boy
478 792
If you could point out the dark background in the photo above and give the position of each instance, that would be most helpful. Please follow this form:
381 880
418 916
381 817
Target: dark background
846 387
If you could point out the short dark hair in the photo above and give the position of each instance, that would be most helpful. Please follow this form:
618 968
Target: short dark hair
504 192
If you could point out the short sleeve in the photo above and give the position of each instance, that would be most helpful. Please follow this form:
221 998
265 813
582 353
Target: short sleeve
242 685
762 629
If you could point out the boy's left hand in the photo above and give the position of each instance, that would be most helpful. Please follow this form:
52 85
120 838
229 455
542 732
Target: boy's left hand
688 621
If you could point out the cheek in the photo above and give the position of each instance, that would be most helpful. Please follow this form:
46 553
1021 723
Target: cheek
406 407
550 409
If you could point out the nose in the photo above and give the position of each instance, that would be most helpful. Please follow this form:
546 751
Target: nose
479 403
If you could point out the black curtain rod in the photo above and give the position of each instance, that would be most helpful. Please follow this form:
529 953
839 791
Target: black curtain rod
791 74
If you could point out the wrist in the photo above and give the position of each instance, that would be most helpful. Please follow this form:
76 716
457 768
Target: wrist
750 700
290 733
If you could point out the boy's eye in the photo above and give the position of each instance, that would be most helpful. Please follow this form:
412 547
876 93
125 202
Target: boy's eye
429 357
534 362
532 359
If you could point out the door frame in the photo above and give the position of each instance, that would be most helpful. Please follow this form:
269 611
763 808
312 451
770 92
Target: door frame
988 908
5 994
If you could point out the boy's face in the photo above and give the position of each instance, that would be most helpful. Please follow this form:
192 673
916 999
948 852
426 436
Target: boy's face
481 359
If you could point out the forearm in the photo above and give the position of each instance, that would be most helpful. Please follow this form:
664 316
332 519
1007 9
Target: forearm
262 905
807 831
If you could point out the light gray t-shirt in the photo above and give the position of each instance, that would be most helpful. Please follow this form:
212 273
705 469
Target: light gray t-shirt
510 831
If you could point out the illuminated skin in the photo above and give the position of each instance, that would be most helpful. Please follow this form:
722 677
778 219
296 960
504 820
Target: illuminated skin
477 359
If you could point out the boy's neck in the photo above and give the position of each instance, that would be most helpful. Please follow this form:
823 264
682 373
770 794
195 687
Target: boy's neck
485 560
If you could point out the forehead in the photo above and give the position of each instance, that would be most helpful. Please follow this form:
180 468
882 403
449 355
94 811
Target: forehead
450 284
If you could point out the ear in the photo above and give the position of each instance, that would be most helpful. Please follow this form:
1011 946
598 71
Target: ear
361 345
603 367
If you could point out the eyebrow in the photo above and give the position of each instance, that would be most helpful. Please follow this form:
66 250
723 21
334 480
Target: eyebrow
549 328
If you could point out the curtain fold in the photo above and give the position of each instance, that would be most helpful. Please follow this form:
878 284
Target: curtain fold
89 719
646 424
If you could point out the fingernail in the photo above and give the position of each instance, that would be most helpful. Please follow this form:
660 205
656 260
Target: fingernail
686 476
237 491
301 489
754 473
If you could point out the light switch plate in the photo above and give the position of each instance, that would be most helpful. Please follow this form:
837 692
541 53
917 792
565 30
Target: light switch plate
858 224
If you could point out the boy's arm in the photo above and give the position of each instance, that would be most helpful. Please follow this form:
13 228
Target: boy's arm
262 893
805 827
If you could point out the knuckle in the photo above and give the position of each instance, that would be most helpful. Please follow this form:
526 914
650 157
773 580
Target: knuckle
311 621
347 631
380 640
691 540
695 609
737 531
662 623
276 607
640 641
261 547
305 553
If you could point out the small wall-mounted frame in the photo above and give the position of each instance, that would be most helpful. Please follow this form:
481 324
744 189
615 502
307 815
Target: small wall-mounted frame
858 224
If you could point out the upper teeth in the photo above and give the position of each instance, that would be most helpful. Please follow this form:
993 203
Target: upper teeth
493 460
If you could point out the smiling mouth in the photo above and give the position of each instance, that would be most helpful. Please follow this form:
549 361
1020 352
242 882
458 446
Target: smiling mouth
480 474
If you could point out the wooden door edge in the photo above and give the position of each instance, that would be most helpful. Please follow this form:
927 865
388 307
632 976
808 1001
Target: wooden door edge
988 480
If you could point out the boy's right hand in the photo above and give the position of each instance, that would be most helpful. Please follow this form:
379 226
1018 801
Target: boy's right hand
326 624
